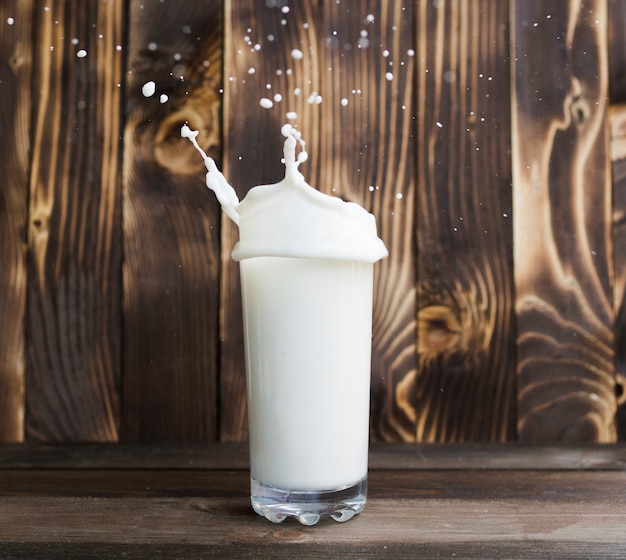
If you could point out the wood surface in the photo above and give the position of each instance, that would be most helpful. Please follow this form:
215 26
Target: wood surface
617 50
617 127
617 116
360 149
74 226
15 92
161 511
171 224
382 456
562 223
466 386
486 138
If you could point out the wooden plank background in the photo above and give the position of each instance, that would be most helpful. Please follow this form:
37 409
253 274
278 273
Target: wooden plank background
488 140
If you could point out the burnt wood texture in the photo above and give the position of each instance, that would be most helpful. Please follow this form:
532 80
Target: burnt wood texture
15 70
488 139
361 148
74 222
466 386
562 216
171 223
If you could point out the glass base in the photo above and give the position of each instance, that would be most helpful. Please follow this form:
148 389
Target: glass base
308 507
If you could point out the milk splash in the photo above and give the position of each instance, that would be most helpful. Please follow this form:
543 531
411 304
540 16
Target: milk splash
290 218
225 193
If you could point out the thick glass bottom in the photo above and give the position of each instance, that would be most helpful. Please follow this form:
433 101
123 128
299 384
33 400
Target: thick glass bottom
308 507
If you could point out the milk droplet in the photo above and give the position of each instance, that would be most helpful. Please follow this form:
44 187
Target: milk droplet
152 46
410 52
82 53
148 89
344 102
266 103
297 54
163 98
74 41
292 115
389 76
278 98
10 21
251 70
369 18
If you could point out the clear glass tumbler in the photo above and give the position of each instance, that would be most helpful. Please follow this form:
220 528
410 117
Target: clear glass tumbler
308 335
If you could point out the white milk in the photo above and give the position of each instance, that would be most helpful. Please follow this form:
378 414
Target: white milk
308 332
306 262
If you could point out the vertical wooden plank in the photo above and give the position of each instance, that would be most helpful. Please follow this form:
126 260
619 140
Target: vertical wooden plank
171 223
562 211
256 55
465 388
15 91
617 50
367 155
617 117
74 223
358 128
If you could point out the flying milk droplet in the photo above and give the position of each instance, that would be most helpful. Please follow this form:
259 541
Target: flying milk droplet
148 89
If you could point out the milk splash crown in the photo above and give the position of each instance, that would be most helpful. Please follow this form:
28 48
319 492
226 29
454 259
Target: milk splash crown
292 219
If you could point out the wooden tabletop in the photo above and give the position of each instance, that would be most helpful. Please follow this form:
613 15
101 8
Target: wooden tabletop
191 501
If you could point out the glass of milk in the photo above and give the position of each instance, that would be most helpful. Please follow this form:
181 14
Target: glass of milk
306 263
308 332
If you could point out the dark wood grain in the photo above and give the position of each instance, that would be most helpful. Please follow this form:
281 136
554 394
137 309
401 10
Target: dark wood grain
617 117
15 92
501 310
617 50
367 155
286 545
253 150
360 145
161 511
382 456
74 239
562 198
171 223
465 388
617 124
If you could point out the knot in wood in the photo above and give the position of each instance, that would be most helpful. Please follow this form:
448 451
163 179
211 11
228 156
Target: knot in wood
580 110
439 330
174 153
